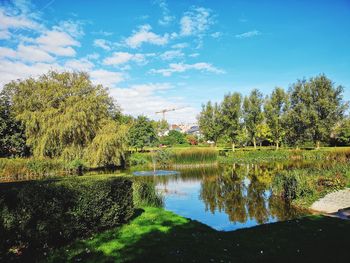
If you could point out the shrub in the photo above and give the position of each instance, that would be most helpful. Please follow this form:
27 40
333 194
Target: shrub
47 213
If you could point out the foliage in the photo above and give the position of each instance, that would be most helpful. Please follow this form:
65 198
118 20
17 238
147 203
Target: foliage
39 214
142 133
12 137
252 113
160 127
275 108
263 133
209 121
65 115
316 106
231 114
191 139
139 159
109 145
342 133
173 137
145 194
163 157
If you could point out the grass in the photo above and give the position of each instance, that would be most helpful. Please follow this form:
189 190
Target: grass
267 154
306 185
156 235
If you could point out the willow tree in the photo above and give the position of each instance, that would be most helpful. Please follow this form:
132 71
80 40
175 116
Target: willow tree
209 121
62 113
252 113
275 108
231 115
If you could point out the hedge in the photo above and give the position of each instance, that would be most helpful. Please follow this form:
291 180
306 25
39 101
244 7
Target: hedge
35 215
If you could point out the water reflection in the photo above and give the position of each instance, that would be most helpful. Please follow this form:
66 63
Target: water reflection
226 197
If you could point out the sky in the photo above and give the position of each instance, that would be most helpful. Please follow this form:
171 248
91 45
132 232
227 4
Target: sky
159 54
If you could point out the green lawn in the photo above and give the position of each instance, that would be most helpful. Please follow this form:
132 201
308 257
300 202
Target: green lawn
156 235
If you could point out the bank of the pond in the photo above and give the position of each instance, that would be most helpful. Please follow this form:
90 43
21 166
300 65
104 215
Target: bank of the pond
249 155
156 235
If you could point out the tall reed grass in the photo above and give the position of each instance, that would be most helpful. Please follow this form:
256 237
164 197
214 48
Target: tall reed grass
194 156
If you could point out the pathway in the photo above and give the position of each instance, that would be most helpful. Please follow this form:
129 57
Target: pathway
336 203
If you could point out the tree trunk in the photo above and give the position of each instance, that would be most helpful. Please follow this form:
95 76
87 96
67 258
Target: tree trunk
254 142
233 146
277 145
317 145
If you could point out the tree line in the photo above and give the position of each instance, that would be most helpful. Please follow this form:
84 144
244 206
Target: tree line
64 115
310 110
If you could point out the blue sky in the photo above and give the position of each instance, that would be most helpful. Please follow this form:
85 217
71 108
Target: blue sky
156 54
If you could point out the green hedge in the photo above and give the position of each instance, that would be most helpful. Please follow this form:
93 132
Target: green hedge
43 214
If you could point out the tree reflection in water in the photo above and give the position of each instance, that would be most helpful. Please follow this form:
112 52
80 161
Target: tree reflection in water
242 192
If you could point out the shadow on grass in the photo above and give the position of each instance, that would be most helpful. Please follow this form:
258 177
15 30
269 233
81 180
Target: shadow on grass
161 236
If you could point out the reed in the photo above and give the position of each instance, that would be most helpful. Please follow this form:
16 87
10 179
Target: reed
194 156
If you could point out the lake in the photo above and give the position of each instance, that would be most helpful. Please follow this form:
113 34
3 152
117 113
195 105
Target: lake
226 198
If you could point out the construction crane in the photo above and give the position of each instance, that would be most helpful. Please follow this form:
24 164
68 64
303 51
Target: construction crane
168 110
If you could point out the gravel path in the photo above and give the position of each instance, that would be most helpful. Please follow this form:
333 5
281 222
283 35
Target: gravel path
333 202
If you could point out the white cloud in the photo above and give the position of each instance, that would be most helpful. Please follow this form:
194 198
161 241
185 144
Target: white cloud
26 53
196 22
180 45
172 54
57 42
79 65
73 28
248 34
102 43
181 67
146 99
123 57
216 35
144 35
13 21
33 54
106 78
193 55
12 70
167 18
7 52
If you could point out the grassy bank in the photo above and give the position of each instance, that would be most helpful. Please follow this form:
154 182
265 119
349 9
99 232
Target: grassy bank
156 235
250 155
303 186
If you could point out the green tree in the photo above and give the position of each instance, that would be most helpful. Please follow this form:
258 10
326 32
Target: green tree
173 137
142 133
12 138
316 107
109 145
62 113
209 121
160 127
231 115
263 133
342 133
253 114
275 109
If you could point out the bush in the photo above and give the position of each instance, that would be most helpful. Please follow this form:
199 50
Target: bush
38 214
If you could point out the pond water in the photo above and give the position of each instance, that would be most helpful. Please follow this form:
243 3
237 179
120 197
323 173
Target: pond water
225 197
